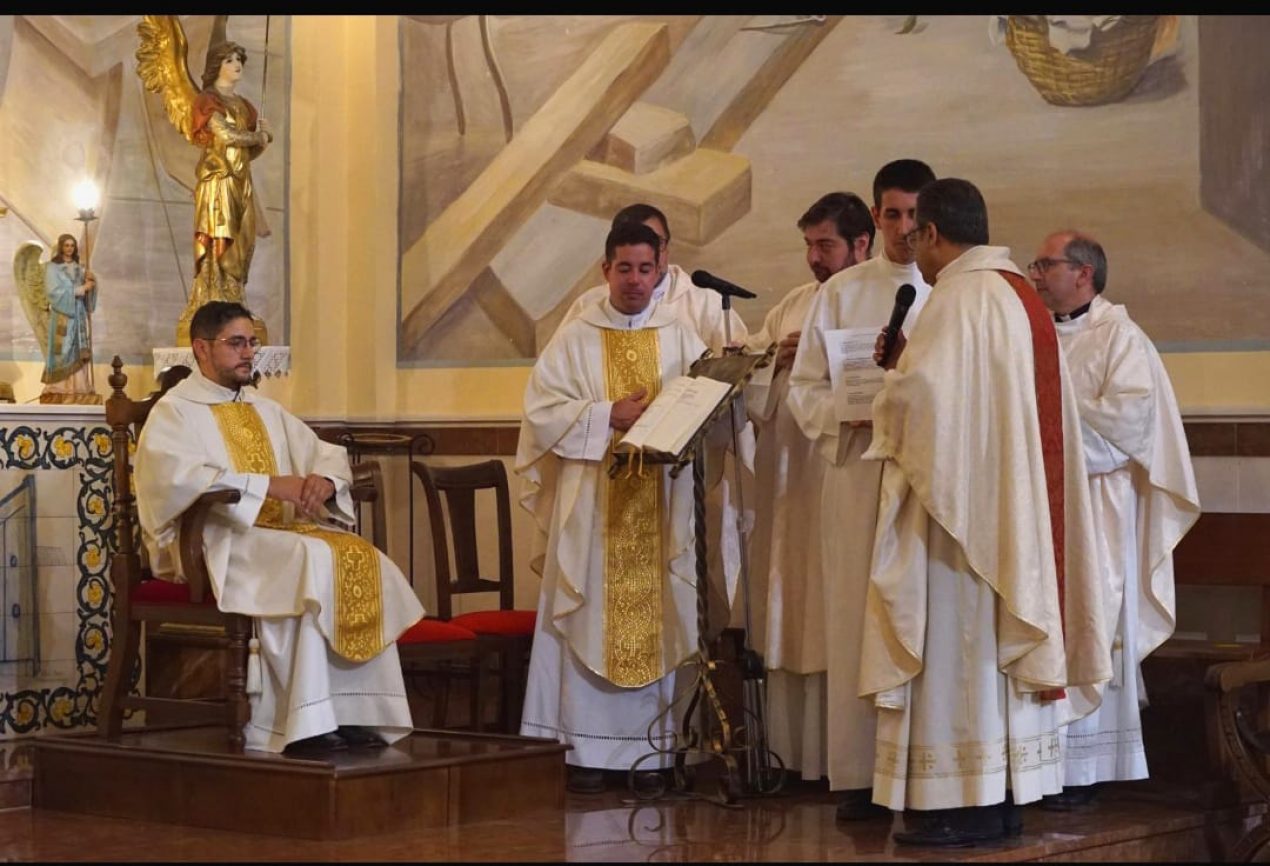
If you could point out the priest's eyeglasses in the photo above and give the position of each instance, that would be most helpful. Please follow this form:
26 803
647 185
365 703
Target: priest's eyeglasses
910 238
1042 265
239 342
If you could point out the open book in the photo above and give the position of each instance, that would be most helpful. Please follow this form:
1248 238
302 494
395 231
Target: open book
678 412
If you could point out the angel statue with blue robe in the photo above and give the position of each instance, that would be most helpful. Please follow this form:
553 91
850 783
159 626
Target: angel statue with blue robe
59 297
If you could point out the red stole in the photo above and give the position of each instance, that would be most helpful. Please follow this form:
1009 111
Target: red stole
1049 410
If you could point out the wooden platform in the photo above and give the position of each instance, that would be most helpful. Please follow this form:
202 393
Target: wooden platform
188 776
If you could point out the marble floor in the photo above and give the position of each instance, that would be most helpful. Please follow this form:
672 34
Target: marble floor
797 825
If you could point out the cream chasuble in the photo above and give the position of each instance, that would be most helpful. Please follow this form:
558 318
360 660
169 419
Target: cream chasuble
815 614
972 620
327 605
617 612
1142 490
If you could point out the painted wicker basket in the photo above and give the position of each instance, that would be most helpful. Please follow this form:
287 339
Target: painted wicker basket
1104 72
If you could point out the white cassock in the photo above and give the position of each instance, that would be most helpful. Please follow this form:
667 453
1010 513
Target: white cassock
1143 495
700 309
966 640
617 611
819 581
325 615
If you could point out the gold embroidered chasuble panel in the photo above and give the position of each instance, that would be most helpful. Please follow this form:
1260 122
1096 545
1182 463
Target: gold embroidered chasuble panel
633 557
359 632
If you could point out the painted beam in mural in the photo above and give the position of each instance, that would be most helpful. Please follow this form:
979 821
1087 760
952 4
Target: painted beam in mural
645 138
722 77
729 68
492 297
463 240
701 194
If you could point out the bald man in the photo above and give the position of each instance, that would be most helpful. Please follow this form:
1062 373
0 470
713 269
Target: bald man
1142 493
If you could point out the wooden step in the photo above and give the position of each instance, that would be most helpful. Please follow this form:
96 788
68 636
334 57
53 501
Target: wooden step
189 776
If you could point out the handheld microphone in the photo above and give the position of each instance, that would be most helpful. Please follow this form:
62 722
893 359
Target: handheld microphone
904 297
707 280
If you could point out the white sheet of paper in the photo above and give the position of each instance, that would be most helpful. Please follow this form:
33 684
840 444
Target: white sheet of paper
853 375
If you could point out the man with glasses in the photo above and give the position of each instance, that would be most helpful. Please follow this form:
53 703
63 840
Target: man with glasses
860 296
700 309
327 606
985 600
1143 494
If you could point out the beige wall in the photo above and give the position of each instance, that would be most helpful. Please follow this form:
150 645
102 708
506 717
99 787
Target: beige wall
344 240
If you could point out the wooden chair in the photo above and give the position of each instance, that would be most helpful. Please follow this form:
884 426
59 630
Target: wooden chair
140 599
508 631
440 651
430 649
1197 753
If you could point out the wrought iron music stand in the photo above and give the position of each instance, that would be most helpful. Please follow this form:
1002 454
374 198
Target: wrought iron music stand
713 736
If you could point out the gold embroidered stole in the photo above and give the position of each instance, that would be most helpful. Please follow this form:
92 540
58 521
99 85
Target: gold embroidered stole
359 632
633 561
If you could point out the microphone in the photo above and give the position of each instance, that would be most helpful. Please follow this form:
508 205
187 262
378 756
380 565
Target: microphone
707 280
904 297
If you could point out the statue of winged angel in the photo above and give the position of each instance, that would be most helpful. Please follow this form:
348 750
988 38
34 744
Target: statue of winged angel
231 134
59 297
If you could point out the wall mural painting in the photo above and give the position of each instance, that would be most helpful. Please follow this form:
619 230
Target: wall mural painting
522 135
72 109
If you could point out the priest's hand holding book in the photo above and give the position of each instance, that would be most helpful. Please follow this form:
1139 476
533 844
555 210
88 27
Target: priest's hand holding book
626 411
786 349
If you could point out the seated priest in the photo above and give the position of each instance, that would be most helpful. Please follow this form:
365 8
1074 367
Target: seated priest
327 606
617 613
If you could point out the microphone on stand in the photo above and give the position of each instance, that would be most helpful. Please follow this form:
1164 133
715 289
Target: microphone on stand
904 297
707 280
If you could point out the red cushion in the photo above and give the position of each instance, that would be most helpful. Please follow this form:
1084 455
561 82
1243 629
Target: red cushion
505 622
165 592
435 631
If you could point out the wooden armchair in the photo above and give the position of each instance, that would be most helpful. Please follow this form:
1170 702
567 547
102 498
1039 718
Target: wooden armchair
505 630
140 599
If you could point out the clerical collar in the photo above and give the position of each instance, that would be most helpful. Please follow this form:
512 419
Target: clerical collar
1073 315
627 320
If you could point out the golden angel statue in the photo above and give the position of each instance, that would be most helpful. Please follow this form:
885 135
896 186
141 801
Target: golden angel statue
59 297
230 132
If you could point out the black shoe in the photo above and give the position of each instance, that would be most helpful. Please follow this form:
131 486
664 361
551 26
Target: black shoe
649 783
952 828
359 737
857 805
585 780
1072 797
328 742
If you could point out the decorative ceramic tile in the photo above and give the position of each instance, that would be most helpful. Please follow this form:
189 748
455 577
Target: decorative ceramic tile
73 458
